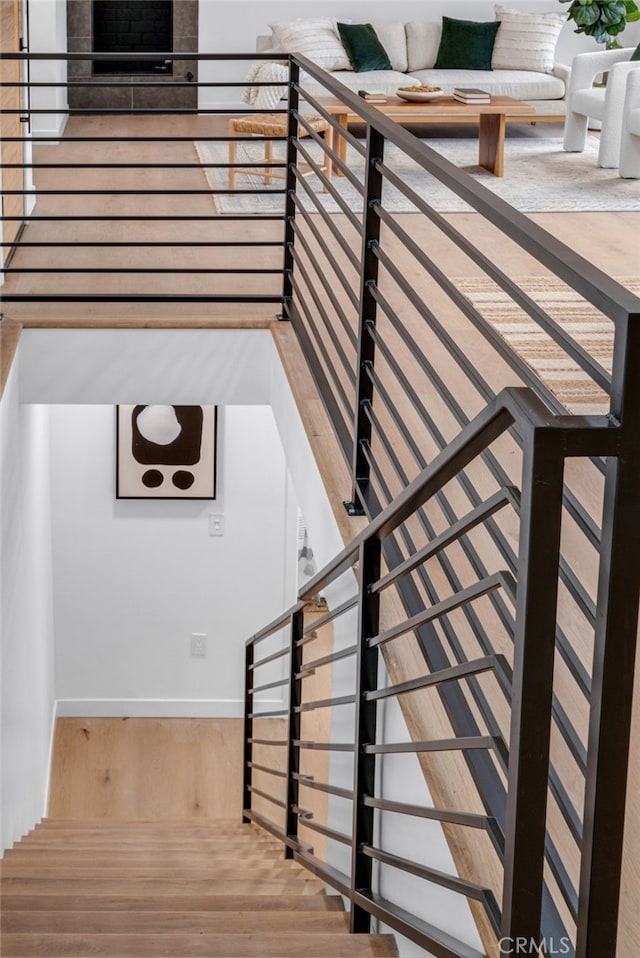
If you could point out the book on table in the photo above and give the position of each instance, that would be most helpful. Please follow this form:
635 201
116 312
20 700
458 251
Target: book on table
472 91
373 96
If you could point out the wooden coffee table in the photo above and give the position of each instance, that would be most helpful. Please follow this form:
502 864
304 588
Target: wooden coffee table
491 117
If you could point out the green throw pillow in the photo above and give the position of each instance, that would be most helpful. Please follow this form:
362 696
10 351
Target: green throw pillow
636 53
466 44
363 48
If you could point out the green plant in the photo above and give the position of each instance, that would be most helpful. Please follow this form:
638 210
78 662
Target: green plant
602 19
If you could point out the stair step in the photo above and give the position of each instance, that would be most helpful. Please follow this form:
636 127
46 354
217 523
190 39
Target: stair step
280 945
121 922
274 902
211 871
151 856
220 823
161 886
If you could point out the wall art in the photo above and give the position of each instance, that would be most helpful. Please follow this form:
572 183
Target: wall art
166 452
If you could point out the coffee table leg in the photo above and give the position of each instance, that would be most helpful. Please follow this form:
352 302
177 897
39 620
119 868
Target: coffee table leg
491 142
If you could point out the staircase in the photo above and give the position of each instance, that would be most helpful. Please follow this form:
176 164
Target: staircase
134 888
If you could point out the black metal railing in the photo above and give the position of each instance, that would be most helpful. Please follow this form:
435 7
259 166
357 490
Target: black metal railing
365 262
519 839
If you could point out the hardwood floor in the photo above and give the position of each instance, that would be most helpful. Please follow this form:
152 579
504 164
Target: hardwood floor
124 768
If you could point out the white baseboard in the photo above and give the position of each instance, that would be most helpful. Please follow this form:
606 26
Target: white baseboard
152 708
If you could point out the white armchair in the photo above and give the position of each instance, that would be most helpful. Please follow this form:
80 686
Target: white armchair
600 103
630 142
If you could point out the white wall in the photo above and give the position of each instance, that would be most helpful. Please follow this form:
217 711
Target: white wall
26 631
133 579
223 366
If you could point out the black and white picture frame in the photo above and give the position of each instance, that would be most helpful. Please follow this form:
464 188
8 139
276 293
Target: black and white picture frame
166 452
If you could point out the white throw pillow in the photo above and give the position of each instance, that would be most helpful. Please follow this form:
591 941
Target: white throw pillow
394 40
526 41
315 38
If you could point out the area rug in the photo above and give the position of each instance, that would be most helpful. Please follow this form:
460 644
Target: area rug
539 177
579 319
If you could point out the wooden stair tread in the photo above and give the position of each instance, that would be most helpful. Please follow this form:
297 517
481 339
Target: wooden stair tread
121 922
136 856
26 901
162 886
281 945
212 871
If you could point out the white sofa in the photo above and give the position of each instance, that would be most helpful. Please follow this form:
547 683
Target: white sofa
412 49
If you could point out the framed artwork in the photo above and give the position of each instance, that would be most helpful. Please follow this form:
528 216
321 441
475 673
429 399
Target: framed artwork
166 452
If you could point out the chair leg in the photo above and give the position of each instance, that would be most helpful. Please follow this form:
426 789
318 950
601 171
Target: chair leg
233 148
575 132
630 156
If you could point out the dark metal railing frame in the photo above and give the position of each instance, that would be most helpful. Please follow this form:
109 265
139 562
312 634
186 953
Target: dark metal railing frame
549 440
615 613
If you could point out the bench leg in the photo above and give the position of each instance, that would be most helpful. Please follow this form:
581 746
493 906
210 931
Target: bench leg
233 146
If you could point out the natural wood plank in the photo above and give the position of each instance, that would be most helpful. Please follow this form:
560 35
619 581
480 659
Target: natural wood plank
223 902
280 945
145 922
161 886
174 768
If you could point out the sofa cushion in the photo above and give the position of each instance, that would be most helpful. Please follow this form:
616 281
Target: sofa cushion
385 80
393 38
466 44
316 38
520 84
423 42
363 47
526 41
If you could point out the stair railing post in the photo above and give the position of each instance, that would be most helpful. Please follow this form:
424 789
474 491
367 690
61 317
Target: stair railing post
295 724
532 697
364 765
248 729
367 318
612 684
291 184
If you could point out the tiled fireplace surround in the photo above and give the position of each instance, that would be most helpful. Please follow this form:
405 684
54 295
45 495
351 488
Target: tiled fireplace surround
185 39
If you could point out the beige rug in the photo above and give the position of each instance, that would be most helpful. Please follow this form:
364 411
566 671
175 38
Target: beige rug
582 321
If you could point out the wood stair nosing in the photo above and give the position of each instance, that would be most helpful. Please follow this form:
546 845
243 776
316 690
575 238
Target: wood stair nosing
57 902
121 922
162 886
294 944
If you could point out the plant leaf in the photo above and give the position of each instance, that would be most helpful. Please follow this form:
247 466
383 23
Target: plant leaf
587 14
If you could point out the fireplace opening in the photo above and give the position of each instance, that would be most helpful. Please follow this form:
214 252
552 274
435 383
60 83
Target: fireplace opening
132 26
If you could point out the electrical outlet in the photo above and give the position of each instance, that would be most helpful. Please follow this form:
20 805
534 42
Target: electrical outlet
216 524
199 643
